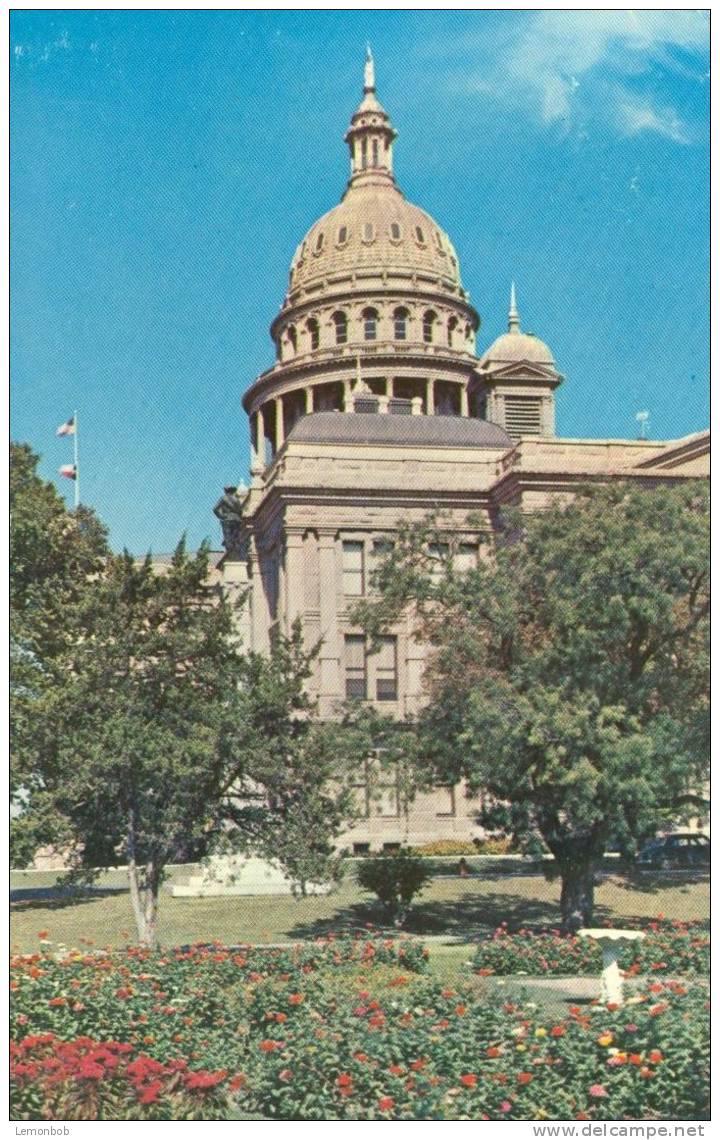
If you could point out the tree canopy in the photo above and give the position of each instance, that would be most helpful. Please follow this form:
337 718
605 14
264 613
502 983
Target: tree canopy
568 675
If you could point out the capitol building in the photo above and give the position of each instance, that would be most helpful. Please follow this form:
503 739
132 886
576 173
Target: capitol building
384 405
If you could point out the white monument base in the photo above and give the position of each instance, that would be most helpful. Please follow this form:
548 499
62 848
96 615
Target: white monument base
241 875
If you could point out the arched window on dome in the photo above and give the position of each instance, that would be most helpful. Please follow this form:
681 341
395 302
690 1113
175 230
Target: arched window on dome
368 231
375 153
363 154
340 321
313 331
451 329
429 319
370 320
438 243
420 235
400 319
292 338
319 242
342 235
395 231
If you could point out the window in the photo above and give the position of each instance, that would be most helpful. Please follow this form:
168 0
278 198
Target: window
428 322
368 231
438 243
340 322
448 807
355 671
353 571
319 242
361 791
292 338
363 152
452 325
522 415
361 848
419 234
438 553
342 235
313 329
466 557
376 157
400 317
388 791
370 319
395 231
386 669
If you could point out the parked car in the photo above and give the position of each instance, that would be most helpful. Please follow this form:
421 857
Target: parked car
679 850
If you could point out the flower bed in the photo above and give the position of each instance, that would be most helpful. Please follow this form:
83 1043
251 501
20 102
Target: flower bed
668 948
339 1030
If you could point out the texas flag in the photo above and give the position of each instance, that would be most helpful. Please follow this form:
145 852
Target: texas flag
68 428
69 470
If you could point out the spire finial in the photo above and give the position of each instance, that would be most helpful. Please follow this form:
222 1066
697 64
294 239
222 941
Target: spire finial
513 318
369 70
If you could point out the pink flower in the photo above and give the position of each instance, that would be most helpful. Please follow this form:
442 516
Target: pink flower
597 1090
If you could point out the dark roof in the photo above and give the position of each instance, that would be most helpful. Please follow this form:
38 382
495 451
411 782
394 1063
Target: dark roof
373 427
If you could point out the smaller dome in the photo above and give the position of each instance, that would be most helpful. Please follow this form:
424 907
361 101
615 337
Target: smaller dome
514 345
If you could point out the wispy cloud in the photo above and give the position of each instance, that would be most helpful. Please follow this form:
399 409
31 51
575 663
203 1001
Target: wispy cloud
570 68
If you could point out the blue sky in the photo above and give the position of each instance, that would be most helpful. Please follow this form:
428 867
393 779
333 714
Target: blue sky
165 164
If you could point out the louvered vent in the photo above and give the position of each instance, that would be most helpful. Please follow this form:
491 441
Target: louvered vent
522 415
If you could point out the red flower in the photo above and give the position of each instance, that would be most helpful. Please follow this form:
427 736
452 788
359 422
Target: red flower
461 1010
267 1046
386 1103
655 1056
150 1093
493 1051
557 1031
43 934
597 1090
204 1080
469 1080
296 999
344 1080
237 1081
524 1078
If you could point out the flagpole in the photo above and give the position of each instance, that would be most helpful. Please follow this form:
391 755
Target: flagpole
76 450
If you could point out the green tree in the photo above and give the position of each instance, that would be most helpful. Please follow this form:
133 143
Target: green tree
55 554
158 727
568 675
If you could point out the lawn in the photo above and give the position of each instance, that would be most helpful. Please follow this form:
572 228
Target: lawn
452 912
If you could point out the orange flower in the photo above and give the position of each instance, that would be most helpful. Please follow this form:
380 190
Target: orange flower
524 1078
344 1080
461 1010
484 972
237 1081
296 999
493 1051
268 1046
396 1070
469 1080
557 1031
43 934
386 1103
655 1056
281 1017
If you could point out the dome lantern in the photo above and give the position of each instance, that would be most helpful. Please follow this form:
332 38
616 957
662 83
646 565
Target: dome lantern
371 135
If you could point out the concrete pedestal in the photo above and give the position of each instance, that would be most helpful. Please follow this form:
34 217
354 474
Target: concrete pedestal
241 875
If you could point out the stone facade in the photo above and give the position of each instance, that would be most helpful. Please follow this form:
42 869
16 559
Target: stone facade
376 412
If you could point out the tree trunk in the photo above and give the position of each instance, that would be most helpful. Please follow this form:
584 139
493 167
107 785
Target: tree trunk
144 883
577 895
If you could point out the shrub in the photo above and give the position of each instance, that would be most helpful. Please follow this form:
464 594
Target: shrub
395 879
446 847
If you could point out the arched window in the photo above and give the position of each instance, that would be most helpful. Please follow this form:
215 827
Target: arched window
342 235
395 231
363 152
376 156
429 319
438 243
313 329
452 325
292 338
370 320
340 322
419 234
319 242
400 318
368 231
